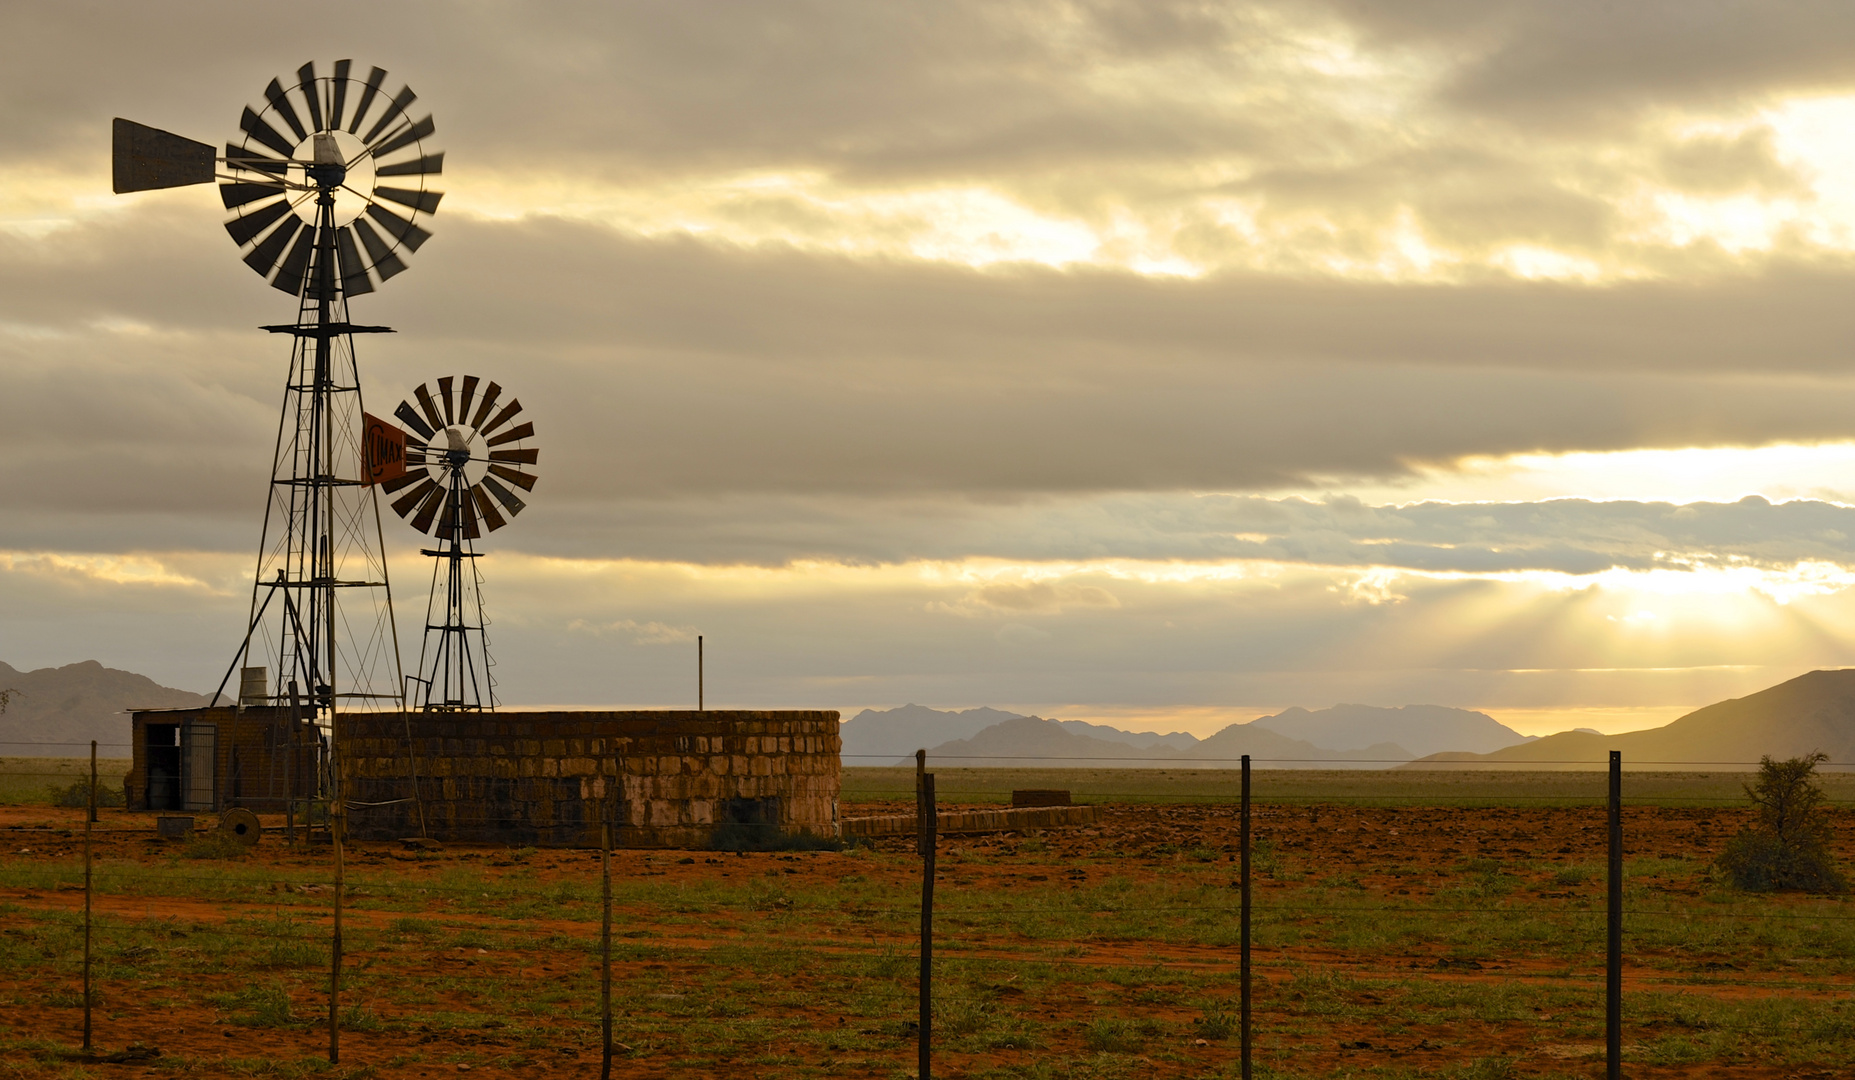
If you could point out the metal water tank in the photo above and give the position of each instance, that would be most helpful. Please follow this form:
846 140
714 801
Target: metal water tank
254 686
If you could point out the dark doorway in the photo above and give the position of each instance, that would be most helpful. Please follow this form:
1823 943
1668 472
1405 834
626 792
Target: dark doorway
163 749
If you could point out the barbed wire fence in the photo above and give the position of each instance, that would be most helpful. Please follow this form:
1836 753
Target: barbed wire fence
481 925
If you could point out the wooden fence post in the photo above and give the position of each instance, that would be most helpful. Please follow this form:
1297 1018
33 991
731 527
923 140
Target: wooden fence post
89 817
1244 968
929 841
1613 953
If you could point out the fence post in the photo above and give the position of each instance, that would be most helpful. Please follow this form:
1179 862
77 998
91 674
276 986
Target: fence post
605 950
88 819
929 824
1613 959
1244 870
289 772
338 821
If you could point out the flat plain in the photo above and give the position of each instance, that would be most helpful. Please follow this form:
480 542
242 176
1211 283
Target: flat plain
1452 931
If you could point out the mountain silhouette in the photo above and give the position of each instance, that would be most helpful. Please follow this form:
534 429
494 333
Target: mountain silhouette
59 710
1809 713
1419 729
873 737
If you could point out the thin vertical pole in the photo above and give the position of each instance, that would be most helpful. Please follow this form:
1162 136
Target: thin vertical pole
338 821
605 951
929 841
1244 963
1613 981
700 706
289 771
88 819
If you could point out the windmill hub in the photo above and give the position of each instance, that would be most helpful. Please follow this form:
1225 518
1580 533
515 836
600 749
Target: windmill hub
329 167
459 441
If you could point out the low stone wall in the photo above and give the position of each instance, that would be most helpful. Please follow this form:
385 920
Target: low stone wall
664 778
973 821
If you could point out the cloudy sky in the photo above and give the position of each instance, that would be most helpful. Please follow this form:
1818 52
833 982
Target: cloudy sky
1146 362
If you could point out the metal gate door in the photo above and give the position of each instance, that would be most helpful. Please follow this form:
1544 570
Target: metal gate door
199 746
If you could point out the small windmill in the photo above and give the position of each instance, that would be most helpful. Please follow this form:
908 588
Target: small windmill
463 456
327 186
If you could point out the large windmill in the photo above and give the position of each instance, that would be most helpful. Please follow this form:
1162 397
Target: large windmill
327 186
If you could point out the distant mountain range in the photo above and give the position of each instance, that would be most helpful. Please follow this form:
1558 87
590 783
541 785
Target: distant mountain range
59 710
1809 713
876 738
1345 736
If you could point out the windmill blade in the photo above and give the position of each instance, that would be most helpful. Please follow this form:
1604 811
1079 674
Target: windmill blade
504 496
415 451
486 508
237 195
523 457
312 94
521 431
263 258
502 417
425 403
429 165
404 504
470 391
396 109
253 125
409 234
144 158
368 94
489 402
281 103
246 227
428 510
244 157
514 476
412 419
444 394
386 264
295 265
340 88
405 479
354 280
426 201
421 130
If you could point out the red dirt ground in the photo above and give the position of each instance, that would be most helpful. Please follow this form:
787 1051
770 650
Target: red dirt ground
1144 841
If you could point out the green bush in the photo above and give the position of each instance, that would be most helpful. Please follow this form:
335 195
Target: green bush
78 794
215 845
1787 847
1107 1035
1216 1024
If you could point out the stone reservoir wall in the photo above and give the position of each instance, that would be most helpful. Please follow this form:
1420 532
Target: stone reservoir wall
669 778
